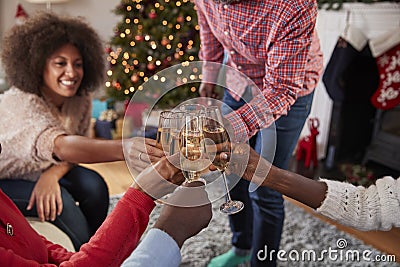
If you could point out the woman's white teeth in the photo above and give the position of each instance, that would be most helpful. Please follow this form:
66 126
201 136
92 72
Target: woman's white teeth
68 83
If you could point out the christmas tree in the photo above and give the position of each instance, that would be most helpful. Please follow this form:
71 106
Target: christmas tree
152 36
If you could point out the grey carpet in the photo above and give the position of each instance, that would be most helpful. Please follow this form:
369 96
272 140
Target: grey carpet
302 233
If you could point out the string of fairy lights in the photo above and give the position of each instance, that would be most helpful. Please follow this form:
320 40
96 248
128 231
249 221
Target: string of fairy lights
153 35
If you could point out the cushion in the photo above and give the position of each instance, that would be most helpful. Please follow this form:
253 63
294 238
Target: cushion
51 232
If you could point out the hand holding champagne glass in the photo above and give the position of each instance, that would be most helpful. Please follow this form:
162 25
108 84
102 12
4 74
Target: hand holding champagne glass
217 141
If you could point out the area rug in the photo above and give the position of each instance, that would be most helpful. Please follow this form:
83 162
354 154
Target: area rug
306 241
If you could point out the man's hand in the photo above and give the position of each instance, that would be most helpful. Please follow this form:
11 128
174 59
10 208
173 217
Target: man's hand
208 90
184 220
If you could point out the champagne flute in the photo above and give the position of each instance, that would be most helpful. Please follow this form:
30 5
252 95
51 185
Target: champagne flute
177 124
216 141
193 159
163 138
169 126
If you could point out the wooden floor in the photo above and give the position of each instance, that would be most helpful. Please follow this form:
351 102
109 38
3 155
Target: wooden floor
119 179
116 175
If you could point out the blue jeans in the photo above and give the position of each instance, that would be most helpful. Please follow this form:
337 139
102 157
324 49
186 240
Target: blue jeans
79 185
260 223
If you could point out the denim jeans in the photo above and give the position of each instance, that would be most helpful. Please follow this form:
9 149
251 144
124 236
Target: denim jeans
260 223
80 185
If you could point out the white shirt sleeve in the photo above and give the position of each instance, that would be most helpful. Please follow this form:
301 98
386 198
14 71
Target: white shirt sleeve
156 249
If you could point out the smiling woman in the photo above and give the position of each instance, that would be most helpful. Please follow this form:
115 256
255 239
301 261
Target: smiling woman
45 67
62 74
52 64
27 47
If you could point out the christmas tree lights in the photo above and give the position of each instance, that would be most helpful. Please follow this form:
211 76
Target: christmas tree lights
152 36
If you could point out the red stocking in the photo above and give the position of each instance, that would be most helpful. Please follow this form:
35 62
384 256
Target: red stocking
386 50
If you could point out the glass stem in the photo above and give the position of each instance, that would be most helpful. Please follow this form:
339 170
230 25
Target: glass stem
228 195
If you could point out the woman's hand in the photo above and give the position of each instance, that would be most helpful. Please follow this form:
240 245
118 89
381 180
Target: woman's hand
245 162
141 152
161 178
47 195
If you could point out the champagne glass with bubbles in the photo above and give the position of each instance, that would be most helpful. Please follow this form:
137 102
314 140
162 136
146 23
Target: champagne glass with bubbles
177 123
217 141
168 124
164 130
193 159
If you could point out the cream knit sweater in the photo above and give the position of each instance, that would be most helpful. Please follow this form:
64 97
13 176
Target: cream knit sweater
29 126
374 208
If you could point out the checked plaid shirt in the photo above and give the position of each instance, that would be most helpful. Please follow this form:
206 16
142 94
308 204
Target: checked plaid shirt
273 42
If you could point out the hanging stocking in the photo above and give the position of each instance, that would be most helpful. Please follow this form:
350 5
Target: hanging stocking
386 50
349 48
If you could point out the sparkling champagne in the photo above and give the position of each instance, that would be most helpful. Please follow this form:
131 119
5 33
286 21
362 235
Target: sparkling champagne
174 144
218 142
163 139
193 160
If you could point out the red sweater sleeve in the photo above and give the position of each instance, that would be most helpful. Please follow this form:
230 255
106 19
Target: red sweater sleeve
9 258
110 245
117 236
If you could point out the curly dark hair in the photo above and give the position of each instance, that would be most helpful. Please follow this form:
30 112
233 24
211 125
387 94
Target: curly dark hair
26 48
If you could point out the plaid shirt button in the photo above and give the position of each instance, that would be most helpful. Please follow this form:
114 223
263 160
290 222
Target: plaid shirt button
232 52
226 32
225 6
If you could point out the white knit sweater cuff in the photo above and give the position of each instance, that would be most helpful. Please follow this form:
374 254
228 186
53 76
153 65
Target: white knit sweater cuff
389 193
349 205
